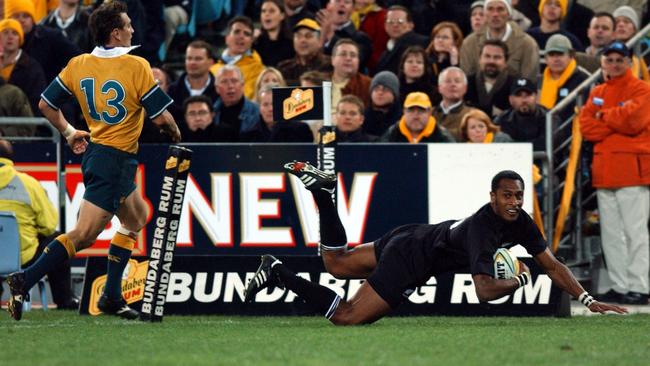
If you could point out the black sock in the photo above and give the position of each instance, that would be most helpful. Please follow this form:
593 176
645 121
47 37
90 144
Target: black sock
332 233
321 298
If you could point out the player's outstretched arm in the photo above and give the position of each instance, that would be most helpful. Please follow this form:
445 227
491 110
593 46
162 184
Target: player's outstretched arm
563 278
489 288
76 139
165 121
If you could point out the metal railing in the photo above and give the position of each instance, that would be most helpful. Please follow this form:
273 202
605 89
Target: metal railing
551 188
56 139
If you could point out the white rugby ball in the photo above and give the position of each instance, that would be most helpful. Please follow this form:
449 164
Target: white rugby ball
506 264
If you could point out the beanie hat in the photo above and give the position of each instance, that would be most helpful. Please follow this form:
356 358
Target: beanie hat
564 5
19 6
388 80
13 24
628 12
505 2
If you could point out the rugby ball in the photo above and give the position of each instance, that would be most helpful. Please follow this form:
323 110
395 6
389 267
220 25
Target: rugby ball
506 264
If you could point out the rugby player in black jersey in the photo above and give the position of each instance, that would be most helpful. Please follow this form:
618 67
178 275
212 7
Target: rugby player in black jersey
406 257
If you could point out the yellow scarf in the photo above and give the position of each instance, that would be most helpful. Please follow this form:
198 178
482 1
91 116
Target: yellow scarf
357 16
640 69
426 132
550 86
489 138
6 71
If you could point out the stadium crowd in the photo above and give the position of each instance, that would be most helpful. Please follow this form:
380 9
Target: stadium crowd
401 71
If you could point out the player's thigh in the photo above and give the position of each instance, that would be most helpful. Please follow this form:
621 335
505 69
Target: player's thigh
365 307
133 212
91 221
108 176
357 262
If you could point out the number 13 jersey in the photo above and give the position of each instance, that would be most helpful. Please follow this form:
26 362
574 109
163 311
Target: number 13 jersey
114 89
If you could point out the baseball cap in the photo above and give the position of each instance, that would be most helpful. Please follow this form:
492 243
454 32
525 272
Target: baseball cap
618 47
307 23
417 99
558 43
522 84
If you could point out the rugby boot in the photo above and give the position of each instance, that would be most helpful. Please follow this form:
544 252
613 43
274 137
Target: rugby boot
116 307
264 277
18 295
313 178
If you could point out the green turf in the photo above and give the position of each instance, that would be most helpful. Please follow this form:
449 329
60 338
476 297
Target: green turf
65 338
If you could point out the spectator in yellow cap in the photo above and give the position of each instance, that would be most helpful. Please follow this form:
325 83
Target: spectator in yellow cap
17 67
551 13
309 53
47 46
417 124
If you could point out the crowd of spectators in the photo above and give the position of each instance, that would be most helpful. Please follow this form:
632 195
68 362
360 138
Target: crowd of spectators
388 62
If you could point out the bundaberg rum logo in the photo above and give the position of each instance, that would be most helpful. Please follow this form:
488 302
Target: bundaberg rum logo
132 285
298 103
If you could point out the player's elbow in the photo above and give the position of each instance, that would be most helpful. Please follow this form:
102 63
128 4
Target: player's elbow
43 106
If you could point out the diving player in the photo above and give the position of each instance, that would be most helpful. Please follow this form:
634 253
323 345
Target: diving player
406 257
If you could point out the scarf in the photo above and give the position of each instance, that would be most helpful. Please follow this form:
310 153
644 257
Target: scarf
550 86
357 16
489 138
426 132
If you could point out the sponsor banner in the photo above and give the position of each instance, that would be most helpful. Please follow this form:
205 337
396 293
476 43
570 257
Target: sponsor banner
215 285
239 201
297 104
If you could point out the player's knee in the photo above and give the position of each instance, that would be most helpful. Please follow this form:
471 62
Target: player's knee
336 269
346 314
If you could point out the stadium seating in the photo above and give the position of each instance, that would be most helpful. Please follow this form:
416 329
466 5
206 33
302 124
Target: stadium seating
10 254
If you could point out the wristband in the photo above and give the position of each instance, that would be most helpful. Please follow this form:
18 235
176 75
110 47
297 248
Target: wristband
69 131
523 279
586 299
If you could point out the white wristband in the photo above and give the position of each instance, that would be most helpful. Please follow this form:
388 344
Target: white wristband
586 299
69 131
523 279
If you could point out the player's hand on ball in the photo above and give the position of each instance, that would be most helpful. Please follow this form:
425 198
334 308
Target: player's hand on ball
601 307
78 141
523 268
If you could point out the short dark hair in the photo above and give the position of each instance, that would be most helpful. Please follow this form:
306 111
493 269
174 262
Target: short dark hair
506 174
343 41
496 43
198 44
604 14
104 19
352 99
241 19
197 99
403 8
6 150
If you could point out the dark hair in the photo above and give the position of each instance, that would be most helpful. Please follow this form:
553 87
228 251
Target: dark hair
209 50
104 19
315 77
343 41
241 19
414 50
409 18
352 99
285 30
505 174
604 14
6 150
496 43
197 99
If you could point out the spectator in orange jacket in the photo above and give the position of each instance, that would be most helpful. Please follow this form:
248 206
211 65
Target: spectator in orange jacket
616 119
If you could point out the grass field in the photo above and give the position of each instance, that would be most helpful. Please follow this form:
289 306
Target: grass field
65 338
